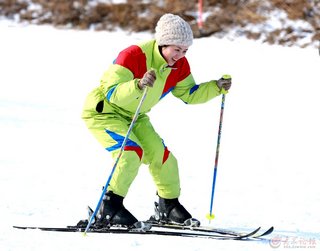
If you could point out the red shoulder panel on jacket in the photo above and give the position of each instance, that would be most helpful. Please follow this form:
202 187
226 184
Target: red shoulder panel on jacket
134 59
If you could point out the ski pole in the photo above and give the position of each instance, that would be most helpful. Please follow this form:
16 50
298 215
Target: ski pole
117 159
211 216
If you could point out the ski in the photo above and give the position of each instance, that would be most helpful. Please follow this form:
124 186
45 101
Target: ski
267 232
194 224
222 233
152 230
132 231
254 234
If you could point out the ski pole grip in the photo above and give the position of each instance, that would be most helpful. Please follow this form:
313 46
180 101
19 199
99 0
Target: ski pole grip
226 76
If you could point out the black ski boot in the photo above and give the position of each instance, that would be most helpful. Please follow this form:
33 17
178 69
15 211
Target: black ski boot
171 211
113 212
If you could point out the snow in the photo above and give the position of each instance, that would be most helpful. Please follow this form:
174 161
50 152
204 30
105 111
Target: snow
52 168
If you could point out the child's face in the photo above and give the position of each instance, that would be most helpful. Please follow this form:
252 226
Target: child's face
172 53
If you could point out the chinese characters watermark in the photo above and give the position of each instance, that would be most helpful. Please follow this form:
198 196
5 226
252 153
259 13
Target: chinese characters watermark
293 242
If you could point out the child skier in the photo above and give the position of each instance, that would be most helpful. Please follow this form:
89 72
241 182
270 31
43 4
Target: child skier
160 65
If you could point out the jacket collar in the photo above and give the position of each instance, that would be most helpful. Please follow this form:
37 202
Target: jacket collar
158 61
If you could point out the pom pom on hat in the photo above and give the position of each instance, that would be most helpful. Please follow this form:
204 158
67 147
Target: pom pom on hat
173 30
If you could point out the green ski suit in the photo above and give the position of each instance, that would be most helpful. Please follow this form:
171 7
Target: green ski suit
109 109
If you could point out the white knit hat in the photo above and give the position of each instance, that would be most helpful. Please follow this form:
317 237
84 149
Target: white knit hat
173 30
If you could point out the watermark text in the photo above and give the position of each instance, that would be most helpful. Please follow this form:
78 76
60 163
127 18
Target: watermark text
293 242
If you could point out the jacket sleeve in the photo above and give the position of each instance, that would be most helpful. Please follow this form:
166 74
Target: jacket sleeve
191 93
119 85
120 82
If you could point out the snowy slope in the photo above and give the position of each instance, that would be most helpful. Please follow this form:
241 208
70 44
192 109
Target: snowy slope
52 168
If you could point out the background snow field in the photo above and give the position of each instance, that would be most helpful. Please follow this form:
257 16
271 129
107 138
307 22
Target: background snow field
52 168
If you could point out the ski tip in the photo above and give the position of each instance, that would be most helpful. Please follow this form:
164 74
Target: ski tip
210 216
267 232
